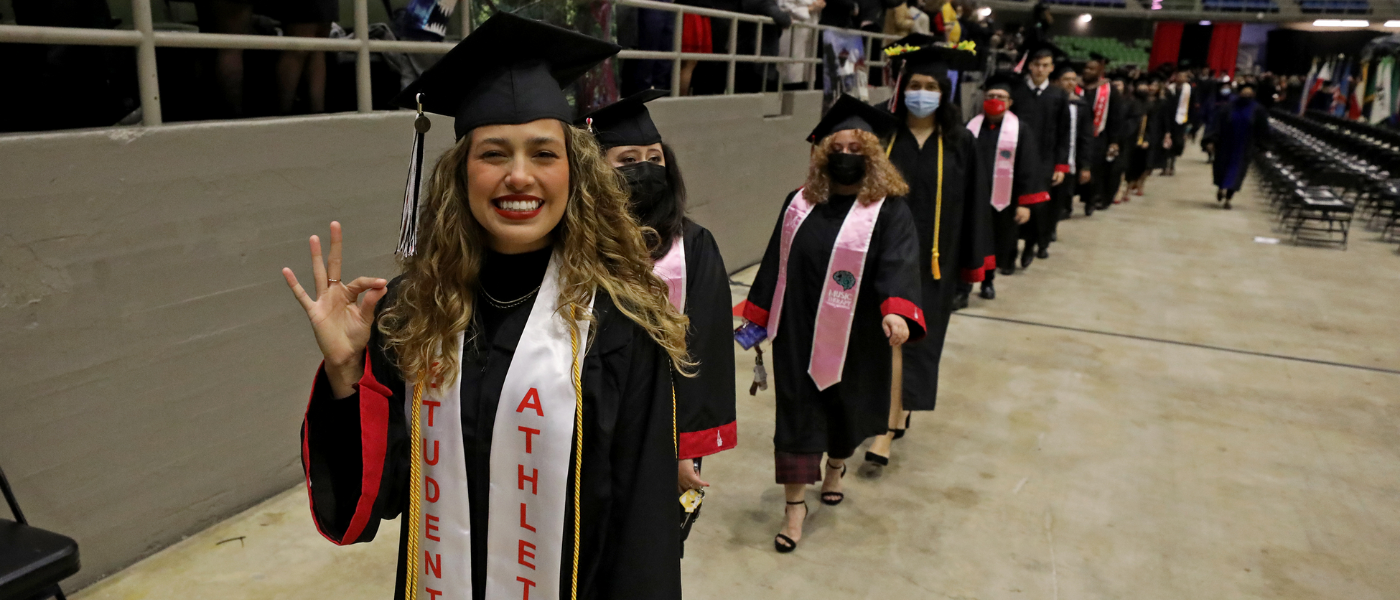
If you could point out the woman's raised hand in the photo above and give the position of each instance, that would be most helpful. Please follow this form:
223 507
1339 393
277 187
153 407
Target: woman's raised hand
342 326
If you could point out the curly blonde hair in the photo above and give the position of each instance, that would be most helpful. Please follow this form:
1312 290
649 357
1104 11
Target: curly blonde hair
881 177
600 242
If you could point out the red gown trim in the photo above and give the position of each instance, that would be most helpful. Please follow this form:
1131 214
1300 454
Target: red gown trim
908 310
696 444
1035 198
752 312
374 434
979 274
1062 168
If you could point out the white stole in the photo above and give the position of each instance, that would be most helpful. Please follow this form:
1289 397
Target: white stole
1073 137
1183 103
531 444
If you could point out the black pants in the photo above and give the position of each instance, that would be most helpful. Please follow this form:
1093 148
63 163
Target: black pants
1036 231
1062 199
1005 234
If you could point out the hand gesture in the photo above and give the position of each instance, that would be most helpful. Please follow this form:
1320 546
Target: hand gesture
1057 178
686 476
1085 176
896 329
341 325
1023 214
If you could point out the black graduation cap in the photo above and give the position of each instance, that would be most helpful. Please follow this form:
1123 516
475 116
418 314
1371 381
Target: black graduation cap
1057 55
1003 80
934 60
1099 57
625 122
1062 69
511 70
850 113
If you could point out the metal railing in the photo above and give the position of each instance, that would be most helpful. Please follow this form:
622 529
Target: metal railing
731 55
146 39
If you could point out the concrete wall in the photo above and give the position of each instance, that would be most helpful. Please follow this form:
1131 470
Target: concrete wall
156 367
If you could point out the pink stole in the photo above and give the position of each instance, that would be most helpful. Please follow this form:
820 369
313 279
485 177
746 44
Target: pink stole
836 312
1006 157
671 269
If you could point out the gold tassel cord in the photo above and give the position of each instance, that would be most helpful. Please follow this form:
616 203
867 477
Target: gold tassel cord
938 211
578 444
415 495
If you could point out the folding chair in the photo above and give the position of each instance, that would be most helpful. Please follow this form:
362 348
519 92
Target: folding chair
32 560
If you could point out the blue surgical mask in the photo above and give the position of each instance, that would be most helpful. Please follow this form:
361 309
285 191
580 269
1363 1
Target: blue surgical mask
922 103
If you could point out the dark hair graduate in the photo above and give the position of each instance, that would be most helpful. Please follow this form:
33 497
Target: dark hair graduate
948 115
664 220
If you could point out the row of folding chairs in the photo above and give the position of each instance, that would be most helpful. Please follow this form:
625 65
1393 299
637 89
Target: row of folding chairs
1374 146
1312 185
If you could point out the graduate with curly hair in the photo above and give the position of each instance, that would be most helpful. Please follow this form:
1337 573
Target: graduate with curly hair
840 276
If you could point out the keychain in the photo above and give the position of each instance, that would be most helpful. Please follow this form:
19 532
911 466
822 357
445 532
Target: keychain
760 375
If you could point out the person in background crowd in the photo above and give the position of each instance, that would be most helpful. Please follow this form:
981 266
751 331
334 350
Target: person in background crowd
645 29
1007 177
1235 133
797 42
1294 91
1106 124
756 77
234 17
1178 106
697 37
312 19
1128 128
1081 133
840 275
1044 109
1323 99
1152 141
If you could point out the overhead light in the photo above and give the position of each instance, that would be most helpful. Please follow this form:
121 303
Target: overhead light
984 12
1341 23
1392 23
1204 23
1085 18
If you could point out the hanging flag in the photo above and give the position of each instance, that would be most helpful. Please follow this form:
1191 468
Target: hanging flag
1342 76
1381 101
1358 94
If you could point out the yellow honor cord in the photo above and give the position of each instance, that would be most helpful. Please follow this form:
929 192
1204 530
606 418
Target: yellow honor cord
938 211
578 446
415 495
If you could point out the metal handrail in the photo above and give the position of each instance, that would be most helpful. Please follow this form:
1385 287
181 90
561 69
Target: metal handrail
146 39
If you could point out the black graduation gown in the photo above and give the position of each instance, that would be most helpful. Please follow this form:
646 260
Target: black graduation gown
1096 151
959 238
1047 114
1133 162
1025 189
1177 131
1237 131
840 417
705 421
630 544
1082 130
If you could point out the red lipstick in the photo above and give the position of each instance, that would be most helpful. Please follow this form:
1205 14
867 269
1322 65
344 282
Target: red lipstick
518 207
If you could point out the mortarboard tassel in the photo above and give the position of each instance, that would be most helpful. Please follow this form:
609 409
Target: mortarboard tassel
408 223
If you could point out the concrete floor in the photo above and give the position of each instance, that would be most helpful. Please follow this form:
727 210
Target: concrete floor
1242 445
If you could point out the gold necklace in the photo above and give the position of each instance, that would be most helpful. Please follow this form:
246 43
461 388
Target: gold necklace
511 304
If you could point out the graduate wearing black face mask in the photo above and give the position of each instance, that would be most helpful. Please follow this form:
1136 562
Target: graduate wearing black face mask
688 261
840 275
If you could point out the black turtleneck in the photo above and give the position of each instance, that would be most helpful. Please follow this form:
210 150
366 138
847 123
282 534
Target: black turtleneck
508 278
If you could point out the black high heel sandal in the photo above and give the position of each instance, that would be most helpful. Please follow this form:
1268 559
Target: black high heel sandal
778 539
899 433
834 498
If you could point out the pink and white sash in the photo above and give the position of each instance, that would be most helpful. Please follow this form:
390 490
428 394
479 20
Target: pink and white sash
1005 169
671 269
530 450
837 309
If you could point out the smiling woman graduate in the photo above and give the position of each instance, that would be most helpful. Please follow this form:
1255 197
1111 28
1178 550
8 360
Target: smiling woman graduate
510 393
840 275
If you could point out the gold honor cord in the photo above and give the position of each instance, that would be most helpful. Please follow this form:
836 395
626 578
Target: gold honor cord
578 444
415 495
938 211
1142 129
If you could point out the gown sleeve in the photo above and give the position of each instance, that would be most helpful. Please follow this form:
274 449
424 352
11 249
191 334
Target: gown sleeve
1026 187
765 283
355 451
897 282
974 245
705 414
641 550
1062 136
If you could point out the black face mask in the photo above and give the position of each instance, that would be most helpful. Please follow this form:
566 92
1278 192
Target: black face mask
648 183
845 169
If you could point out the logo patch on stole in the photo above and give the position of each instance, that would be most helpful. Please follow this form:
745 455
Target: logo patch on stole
1006 154
845 279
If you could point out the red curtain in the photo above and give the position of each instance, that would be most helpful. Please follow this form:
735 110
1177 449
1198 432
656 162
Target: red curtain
1166 44
1224 47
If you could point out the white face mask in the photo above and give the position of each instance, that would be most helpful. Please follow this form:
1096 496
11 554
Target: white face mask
922 103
